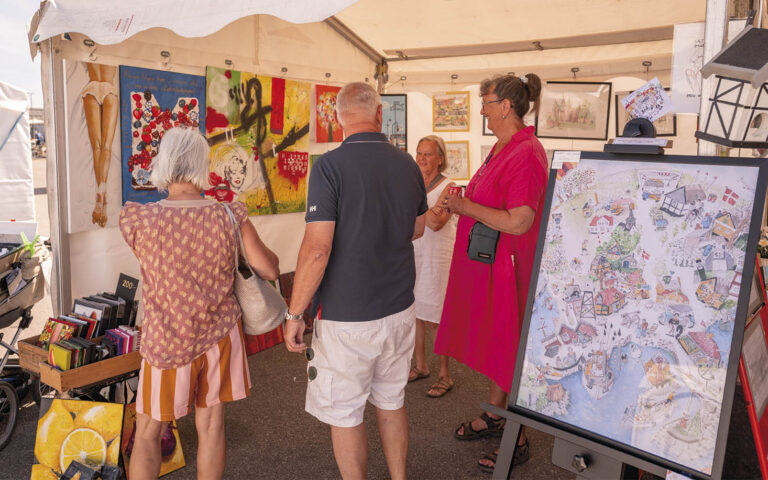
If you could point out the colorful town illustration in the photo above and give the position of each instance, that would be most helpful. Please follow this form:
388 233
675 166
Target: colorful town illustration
631 327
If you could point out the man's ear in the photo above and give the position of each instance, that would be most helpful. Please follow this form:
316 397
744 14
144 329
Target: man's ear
379 116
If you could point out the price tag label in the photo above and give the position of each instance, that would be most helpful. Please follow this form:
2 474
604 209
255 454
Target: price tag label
565 156
126 287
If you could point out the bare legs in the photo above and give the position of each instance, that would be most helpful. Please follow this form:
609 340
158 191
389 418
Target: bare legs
145 461
350 445
420 354
101 121
350 448
211 446
145 458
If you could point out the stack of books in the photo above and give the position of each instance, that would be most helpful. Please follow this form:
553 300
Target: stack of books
122 340
69 339
109 310
72 353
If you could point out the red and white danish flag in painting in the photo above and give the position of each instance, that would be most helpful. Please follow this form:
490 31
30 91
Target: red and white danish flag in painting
645 255
730 196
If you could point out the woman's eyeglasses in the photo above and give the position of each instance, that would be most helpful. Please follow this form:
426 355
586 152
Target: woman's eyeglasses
492 101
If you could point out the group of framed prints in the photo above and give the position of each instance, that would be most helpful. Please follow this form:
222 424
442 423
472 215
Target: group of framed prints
568 110
450 113
580 110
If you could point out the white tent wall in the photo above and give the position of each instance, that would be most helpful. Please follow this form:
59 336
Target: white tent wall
260 44
17 201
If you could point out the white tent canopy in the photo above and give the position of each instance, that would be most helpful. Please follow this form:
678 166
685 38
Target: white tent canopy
428 40
111 21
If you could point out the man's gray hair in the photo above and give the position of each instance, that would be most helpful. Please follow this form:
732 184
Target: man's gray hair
182 157
357 97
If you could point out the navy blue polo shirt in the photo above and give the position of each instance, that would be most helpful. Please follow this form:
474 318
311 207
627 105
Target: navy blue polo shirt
374 192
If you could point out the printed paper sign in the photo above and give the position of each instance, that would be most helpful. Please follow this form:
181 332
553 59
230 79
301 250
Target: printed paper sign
649 101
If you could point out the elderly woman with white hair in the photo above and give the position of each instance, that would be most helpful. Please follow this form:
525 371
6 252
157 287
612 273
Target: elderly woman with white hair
192 341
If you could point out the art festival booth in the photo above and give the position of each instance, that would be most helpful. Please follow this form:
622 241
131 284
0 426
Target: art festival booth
259 79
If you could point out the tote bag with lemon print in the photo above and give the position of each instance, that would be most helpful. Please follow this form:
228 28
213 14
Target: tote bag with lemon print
88 432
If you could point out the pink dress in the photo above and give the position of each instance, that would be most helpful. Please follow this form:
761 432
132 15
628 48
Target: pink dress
485 304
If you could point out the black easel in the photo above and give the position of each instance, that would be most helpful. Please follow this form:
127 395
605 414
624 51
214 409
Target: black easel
591 456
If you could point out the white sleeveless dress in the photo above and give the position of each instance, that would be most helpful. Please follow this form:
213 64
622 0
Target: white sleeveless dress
433 253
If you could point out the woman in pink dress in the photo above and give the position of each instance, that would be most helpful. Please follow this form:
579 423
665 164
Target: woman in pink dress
485 303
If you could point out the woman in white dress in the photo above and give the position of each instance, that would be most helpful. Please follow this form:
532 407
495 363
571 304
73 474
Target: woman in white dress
433 253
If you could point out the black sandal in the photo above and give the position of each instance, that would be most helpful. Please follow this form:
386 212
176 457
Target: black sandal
488 468
522 454
494 428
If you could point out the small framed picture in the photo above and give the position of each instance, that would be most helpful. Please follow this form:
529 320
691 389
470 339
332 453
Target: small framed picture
576 110
450 112
394 119
458 160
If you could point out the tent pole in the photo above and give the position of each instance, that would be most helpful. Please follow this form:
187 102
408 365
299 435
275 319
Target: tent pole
714 39
52 76
354 39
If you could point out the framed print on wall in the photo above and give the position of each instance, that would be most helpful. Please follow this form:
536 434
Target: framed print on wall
485 150
633 327
457 154
576 110
450 112
394 119
666 126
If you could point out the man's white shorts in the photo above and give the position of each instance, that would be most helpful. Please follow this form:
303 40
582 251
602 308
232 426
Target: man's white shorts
358 362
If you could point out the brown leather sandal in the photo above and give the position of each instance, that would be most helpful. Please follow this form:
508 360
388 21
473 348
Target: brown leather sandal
416 374
494 428
441 386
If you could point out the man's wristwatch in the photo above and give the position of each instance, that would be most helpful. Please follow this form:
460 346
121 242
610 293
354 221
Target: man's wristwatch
290 316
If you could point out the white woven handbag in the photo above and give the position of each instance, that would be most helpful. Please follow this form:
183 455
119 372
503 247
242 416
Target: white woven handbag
262 306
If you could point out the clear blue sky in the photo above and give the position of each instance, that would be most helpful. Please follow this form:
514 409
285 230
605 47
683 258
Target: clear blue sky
17 67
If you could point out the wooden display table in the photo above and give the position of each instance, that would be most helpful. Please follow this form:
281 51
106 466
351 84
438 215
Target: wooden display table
35 360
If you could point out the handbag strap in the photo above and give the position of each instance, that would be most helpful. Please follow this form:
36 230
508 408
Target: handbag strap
238 240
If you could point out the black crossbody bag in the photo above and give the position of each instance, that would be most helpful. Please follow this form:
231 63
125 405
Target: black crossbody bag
482 243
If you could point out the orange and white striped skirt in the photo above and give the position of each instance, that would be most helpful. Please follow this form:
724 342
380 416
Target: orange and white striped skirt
219 375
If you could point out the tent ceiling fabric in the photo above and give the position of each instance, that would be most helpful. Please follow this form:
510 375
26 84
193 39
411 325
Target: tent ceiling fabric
404 24
474 39
427 40
111 21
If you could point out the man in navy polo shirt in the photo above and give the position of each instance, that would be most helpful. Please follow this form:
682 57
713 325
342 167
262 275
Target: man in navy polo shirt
365 206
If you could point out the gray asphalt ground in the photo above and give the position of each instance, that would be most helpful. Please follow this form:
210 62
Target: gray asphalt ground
269 436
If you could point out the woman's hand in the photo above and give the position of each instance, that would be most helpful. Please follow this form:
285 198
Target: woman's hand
456 205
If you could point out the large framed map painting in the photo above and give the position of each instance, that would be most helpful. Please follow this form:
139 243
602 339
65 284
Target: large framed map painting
258 129
642 285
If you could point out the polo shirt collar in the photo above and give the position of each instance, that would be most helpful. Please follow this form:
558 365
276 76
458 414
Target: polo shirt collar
366 137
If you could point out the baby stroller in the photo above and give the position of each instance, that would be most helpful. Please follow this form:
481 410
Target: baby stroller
16 306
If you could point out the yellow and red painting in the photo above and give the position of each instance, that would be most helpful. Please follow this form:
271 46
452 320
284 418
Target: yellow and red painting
258 129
